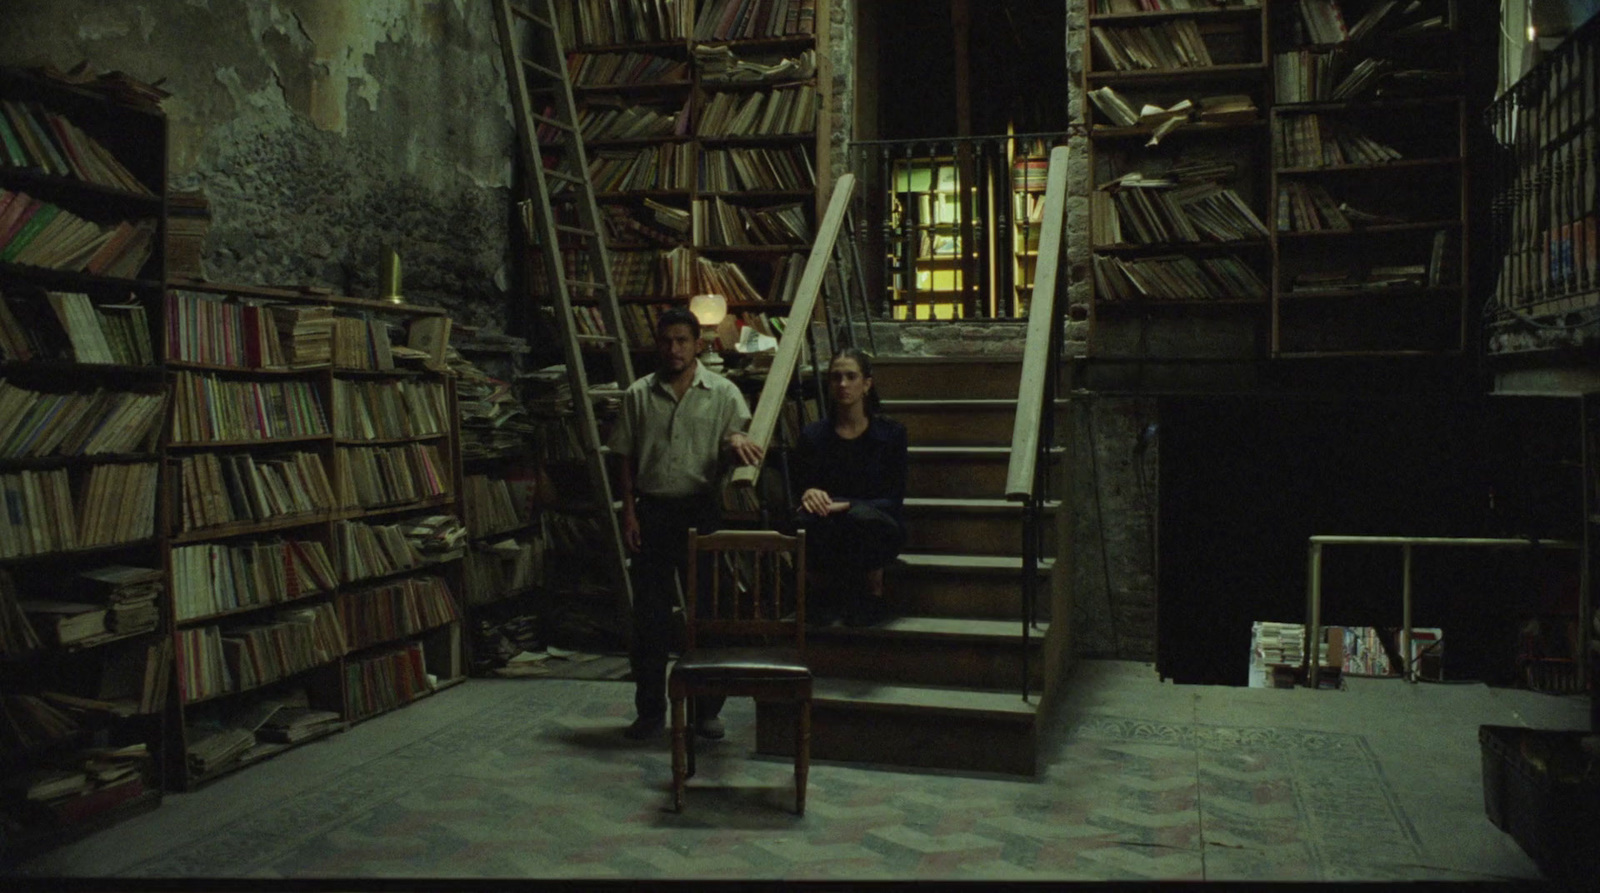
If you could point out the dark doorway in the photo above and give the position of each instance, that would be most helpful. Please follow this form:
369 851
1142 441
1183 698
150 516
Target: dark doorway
1017 69
1245 482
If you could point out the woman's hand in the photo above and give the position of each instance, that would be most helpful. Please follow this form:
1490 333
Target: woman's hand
817 502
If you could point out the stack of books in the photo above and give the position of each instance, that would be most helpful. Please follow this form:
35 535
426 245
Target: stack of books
129 593
188 222
306 334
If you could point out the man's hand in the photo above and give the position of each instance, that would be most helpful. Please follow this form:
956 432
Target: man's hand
630 531
748 451
818 502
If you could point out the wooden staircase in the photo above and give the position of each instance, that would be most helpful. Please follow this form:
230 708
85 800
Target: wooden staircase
939 686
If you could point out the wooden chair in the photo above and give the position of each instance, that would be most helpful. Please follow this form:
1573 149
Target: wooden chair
751 615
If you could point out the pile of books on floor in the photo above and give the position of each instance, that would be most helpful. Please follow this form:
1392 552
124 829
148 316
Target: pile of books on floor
88 783
211 750
1277 651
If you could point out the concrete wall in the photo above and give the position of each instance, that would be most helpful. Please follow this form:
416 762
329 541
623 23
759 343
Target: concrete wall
322 131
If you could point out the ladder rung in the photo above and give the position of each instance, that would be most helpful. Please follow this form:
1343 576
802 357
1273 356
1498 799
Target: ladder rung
554 174
596 339
584 283
553 122
575 230
544 70
523 13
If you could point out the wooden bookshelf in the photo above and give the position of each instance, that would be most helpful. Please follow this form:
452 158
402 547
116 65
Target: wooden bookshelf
99 165
331 351
1349 150
621 53
1370 238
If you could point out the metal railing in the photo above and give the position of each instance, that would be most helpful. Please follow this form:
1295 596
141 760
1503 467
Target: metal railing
946 229
1310 661
1543 170
1033 431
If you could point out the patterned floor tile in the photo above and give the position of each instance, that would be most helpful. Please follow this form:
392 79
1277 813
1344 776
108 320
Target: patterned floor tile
537 782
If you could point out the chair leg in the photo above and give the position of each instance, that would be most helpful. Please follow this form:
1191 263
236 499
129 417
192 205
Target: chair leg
802 756
679 760
694 722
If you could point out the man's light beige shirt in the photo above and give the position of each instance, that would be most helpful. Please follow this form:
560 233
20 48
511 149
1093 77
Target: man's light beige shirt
678 442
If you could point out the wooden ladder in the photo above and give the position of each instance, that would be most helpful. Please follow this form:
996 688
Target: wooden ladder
563 224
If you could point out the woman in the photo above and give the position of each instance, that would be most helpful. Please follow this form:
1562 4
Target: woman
850 469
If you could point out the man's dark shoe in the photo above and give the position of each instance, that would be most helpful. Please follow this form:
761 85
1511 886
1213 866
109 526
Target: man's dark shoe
710 727
644 729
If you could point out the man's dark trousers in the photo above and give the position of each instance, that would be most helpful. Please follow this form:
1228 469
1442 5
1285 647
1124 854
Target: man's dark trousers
663 555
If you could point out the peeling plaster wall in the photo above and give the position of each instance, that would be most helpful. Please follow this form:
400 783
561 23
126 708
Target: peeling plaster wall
322 131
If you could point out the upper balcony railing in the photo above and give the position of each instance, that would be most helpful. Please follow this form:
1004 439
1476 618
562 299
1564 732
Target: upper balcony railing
949 227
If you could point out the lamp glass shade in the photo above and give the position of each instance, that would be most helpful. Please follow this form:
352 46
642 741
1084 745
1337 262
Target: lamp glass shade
709 309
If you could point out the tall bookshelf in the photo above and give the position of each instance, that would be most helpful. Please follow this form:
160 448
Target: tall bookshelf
503 570
1339 125
707 151
82 677
315 538
1176 99
1369 174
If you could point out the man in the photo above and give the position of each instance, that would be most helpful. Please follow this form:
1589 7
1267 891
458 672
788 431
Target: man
675 428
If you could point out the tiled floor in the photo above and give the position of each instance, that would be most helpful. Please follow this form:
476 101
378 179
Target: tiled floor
531 778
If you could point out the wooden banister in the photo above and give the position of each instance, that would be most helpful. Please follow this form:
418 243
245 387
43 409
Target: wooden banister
1037 363
765 418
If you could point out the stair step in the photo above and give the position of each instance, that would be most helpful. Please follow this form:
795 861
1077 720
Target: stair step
954 422
959 586
864 694
941 651
971 506
931 377
947 629
980 526
960 471
904 725
988 565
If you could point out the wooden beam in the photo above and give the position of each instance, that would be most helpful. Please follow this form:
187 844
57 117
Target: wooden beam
776 387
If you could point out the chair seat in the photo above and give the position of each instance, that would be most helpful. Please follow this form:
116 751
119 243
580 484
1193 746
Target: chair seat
751 663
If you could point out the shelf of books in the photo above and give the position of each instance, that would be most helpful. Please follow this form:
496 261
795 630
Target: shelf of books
1175 98
701 124
84 662
1546 185
503 563
1306 195
1368 140
314 523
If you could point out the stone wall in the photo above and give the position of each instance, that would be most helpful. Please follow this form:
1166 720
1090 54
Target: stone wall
322 131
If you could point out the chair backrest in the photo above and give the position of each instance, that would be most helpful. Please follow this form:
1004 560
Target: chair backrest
746 585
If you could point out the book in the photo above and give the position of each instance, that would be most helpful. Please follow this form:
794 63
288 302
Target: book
66 623
431 335
90 803
53 784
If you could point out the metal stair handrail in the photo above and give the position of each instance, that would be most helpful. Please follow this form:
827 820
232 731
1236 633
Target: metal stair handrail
1033 429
